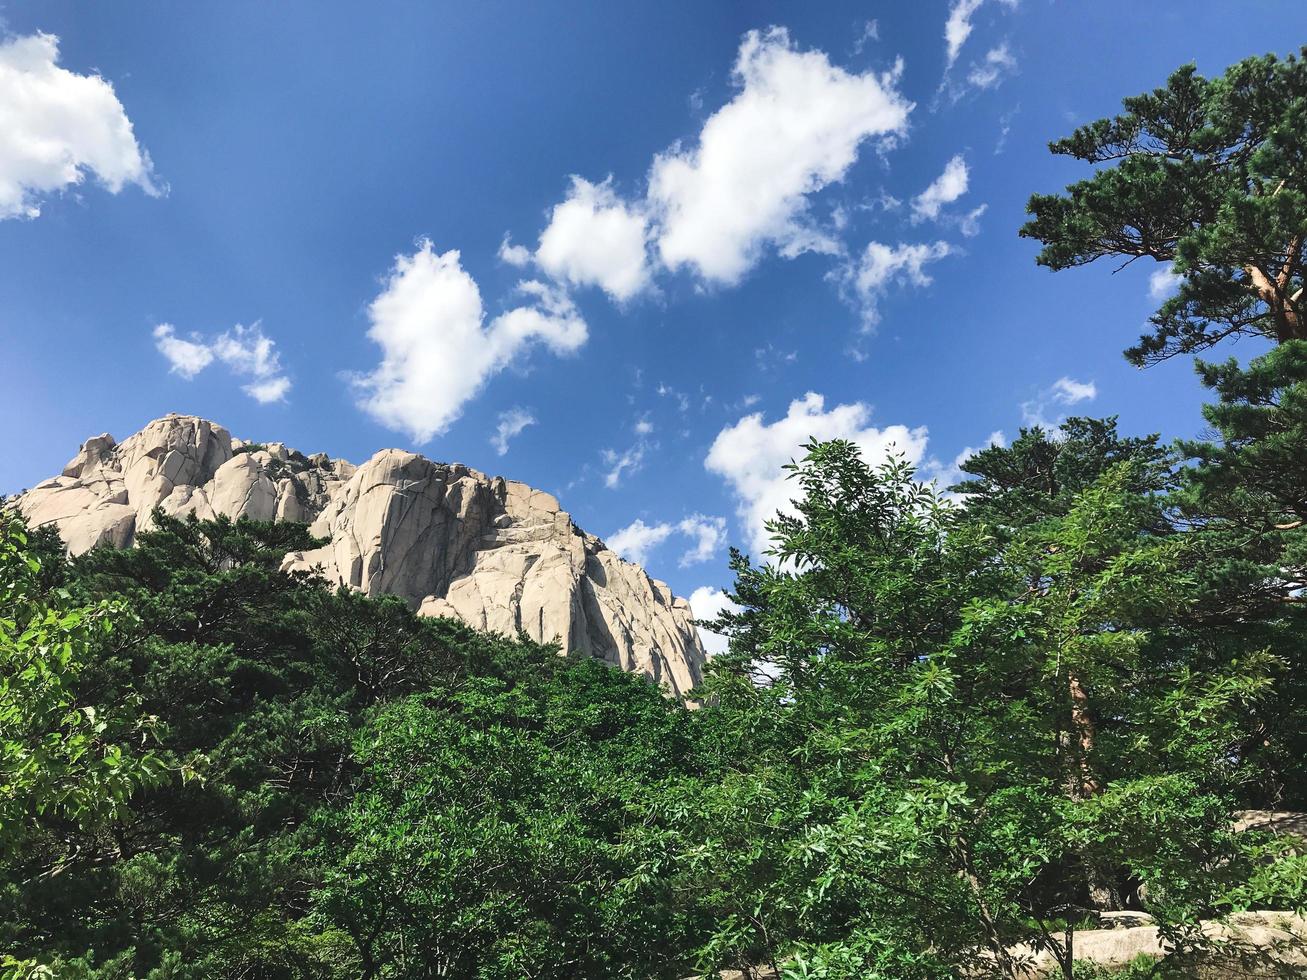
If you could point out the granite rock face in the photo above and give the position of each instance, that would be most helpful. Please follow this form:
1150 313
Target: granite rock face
448 539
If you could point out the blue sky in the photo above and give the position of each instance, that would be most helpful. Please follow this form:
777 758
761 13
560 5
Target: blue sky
737 225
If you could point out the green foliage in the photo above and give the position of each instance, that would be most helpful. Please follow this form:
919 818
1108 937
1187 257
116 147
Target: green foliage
353 791
967 732
64 761
1208 174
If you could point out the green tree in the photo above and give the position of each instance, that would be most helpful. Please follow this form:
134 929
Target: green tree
497 830
1210 174
63 760
969 738
382 794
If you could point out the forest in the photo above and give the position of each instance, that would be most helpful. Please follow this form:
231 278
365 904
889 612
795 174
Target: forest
953 723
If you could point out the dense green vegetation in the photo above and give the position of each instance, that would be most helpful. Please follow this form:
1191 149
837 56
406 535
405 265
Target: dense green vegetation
948 723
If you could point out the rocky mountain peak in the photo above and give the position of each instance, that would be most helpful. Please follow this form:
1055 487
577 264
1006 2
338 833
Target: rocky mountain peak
449 539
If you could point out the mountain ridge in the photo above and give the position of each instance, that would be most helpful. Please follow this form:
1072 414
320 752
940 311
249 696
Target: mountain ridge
449 539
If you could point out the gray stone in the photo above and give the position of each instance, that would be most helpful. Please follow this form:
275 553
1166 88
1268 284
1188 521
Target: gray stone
450 540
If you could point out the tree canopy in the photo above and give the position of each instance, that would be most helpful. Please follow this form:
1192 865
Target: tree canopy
1209 175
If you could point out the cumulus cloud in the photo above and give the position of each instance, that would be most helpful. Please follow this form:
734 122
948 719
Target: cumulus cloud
794 126
637 540
594 238
882 266
511 423
1062 393
945 189
1068 391
56 127
989 72
437 349
246 351
186 357
750 455
271 390
708 534
709 603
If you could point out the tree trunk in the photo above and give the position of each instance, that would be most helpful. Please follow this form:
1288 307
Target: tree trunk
1288 324
1103 892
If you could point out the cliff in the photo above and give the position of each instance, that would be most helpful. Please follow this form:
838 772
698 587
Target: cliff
450 540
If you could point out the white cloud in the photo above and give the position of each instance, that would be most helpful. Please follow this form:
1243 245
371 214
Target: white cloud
969 223
1163 282
1063 392
945 189
794 126
945 476
644 427
518 256
511 423
958 26
437 351
1005 129
635 541
882 266
246 351
709 534
750 455
56 127
988 73
185 357
870 32
682 399
622 464
271 390
596 239
709 603
1068 391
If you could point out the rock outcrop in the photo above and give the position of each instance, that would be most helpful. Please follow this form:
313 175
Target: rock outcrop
1248 946
448 539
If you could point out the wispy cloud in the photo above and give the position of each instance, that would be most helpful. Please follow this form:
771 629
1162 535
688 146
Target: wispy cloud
638 540
1062 393
246 351
511 423
944 189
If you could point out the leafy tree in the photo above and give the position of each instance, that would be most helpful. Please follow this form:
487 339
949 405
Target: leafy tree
63 761
1210 174
1245 490
342 745
1043 472
489 834
68 766
969 739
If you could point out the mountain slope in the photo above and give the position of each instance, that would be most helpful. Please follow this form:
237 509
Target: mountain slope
450 540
